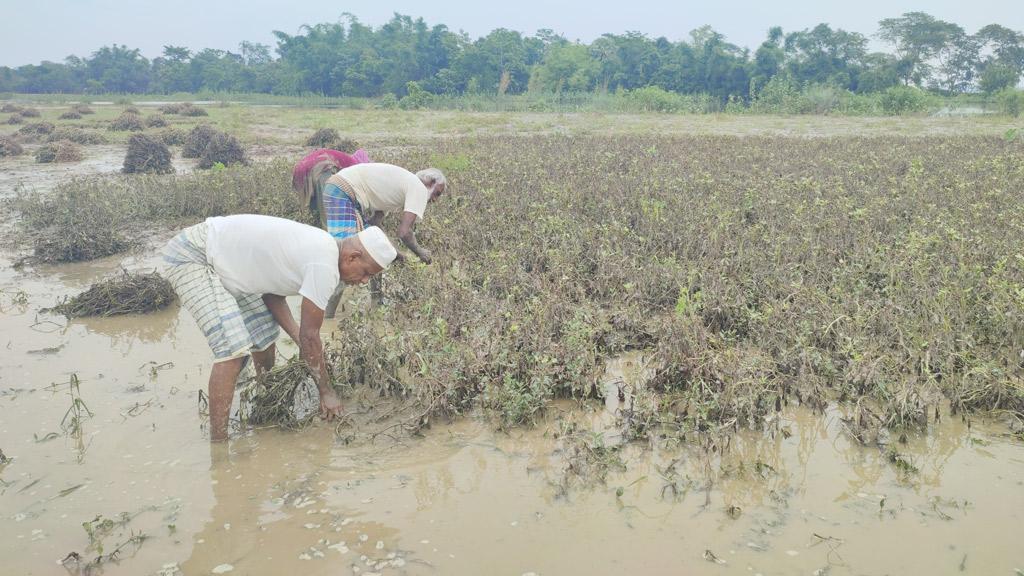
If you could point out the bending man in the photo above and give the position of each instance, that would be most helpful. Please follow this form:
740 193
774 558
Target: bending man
232 274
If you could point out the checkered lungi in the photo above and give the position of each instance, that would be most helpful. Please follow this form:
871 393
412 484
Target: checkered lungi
233 326
341 216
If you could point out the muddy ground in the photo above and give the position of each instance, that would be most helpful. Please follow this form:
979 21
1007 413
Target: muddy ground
127 474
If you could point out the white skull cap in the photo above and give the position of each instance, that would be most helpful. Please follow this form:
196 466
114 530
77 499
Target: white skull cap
377 245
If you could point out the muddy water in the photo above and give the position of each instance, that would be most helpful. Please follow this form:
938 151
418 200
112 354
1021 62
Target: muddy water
463 499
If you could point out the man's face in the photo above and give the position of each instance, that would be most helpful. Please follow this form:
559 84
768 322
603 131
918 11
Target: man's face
357 268
437 191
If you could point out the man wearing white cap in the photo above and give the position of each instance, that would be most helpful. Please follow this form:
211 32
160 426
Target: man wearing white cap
232 273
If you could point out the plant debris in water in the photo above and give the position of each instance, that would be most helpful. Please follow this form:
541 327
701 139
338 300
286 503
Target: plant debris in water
270 398
127 293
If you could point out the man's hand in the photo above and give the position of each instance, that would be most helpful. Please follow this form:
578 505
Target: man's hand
330 405
425 256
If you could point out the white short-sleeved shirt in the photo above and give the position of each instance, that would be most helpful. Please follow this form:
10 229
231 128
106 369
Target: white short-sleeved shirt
385 187
266 255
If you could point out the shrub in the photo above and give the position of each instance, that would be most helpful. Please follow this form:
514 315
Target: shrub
222 149
196 140
415 97
71 115
60 151
147 155
388 102
656 99
899 100
127 122
10 147
154 121
1011 102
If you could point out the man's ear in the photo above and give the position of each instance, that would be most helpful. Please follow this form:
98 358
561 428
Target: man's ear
353 255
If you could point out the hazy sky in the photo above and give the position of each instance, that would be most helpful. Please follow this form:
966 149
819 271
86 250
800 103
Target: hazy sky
36 30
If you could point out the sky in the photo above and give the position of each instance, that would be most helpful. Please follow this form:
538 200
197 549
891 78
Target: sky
35 30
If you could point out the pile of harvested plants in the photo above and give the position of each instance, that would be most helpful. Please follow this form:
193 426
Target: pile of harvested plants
283 396
126 293
147 155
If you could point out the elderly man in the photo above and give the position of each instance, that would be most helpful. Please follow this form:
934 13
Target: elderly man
232 274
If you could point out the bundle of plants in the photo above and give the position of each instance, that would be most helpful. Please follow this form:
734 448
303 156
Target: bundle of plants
8 108
127 122
36 131
188 109
329 138
197 139
154 121
147 155
171 108
283 396
71 115
131 110
76 135
59 151
15 119
172 137
222 149
83 109
126 293
30 113
10 147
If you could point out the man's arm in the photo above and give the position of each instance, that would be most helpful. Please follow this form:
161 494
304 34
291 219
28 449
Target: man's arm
408 237
282 315
375 218
311 350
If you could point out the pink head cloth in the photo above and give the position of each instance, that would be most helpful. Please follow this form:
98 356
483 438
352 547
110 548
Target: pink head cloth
324 157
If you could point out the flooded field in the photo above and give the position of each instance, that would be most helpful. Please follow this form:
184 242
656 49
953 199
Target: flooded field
106 466
462 499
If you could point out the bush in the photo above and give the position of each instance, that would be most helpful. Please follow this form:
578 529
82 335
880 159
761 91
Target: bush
415 97
60 151
900 100
71 115
1011 102
154 121
127 122
76 135
10 147
656 99
147 155
222 149
388 102
196 140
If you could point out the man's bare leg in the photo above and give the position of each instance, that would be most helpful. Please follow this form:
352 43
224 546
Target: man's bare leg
264 360
222 392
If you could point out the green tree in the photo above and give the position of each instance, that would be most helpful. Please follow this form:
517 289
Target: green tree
918 39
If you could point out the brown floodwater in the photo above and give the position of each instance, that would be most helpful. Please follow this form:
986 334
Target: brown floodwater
464 498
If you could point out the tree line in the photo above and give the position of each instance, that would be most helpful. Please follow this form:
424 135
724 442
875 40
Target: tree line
349 58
